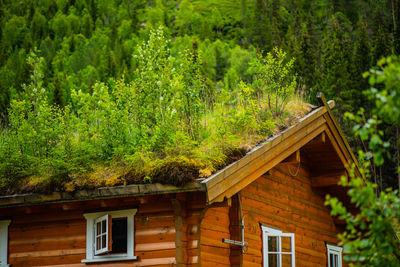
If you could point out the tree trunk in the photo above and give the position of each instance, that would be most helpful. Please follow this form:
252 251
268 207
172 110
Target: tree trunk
393 15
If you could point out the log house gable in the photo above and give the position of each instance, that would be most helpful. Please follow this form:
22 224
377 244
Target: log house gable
319 124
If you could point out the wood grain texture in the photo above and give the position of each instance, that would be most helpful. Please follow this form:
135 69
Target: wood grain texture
337 131
55 234
234 184
288 202
215 226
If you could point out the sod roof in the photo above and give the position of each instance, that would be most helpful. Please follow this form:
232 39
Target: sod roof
219 185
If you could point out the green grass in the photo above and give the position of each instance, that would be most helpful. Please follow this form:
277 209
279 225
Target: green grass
161 127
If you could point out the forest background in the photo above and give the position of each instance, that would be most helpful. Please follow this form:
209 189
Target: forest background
82 42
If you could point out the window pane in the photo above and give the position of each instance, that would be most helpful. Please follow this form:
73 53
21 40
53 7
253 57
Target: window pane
273 260
103 241
286 243
286 260
103 223
98 242
333 260
273 244
98 228
119 235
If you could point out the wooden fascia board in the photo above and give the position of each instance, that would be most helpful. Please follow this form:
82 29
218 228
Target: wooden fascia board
267 163
337 148
234 177
339 137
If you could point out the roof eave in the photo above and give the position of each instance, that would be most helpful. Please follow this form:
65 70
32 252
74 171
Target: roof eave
99 193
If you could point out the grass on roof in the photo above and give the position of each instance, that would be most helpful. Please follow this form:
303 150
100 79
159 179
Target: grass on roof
167 125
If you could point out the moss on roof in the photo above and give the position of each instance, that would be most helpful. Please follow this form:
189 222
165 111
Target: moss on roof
174 168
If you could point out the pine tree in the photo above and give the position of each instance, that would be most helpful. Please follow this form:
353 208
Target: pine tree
260 27
335 63
381 44
305 56
361 62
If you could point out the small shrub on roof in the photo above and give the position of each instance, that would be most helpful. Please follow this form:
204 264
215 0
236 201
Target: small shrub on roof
165 126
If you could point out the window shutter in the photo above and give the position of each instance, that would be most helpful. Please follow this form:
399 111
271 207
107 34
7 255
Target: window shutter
103 235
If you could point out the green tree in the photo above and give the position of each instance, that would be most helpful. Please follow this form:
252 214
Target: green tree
360 62
15 31
335 64
381 43
260 26
305 57
272 80
371 236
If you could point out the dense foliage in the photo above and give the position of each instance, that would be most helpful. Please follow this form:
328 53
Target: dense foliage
162 126
85 41
372 235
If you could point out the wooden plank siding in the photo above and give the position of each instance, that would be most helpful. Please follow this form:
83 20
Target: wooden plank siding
215 226
180 229
55 234
284 198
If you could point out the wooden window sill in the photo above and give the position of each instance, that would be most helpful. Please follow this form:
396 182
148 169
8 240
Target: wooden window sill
113 258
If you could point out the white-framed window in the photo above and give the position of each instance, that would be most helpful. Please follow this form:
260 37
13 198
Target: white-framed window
103 235
4 242
334 255
278 248
110 236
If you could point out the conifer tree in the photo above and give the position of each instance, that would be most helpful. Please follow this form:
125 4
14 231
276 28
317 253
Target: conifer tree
260 26
360 63
381 44
335 64
305 54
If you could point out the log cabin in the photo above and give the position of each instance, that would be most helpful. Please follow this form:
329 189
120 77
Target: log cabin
266 209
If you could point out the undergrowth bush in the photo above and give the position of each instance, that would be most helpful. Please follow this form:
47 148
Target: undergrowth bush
163 126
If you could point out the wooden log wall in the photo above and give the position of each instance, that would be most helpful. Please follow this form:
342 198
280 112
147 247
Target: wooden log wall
194 211
215 226
179 229
283 198
51 235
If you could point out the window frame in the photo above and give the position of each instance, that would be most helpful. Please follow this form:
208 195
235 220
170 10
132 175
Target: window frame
268 231
108 234
4 242
335 250
90 236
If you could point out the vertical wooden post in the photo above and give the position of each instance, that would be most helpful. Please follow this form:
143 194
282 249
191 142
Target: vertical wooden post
235 231
178 220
